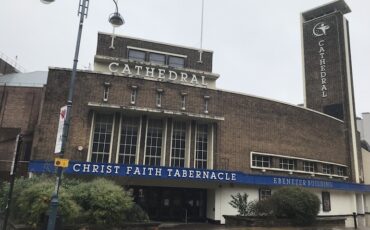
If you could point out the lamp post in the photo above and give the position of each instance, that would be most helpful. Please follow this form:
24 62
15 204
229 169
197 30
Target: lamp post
116 20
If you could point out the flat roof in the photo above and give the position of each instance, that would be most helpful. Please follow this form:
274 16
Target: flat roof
157 42
338 5
31 79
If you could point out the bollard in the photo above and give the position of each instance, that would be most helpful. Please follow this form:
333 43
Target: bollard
355 219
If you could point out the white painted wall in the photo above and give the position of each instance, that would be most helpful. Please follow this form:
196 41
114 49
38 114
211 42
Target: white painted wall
223 197
211 204
360 204
366 165
367 202
342 203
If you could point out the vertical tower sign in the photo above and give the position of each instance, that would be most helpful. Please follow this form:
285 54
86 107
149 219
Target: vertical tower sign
327 69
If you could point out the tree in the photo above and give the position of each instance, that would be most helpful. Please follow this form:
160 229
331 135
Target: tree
240 202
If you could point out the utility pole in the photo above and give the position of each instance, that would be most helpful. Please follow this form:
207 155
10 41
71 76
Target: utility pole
13 170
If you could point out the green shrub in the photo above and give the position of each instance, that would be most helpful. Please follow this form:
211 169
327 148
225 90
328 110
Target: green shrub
137 214
100 201
240 202
296 203
33 203
103 202
263 208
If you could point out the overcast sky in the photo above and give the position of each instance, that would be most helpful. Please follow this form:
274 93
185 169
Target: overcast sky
256 43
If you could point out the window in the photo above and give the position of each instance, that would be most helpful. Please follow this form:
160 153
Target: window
153 149
133 95
128 140
183 101
201 146
327 168
157 58
206 99
158 98
341 171
326 206
106 91
261 161
308 166
264 193
288 164
178 62
136 55
102 138
178 144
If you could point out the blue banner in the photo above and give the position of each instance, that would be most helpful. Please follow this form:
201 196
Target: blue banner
144 171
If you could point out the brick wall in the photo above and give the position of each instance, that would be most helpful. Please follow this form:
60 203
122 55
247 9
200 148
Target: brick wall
121 51
250 123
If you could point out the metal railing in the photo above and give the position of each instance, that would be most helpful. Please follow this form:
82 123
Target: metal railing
12 62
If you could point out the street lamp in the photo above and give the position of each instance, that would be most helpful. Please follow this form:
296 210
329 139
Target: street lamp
116 20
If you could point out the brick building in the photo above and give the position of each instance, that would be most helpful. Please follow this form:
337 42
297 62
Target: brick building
21 96
151 117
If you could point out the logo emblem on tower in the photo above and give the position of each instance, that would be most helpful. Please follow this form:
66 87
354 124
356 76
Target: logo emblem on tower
320 29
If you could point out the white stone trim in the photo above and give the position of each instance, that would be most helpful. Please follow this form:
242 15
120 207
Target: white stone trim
92 126
351 102
155 51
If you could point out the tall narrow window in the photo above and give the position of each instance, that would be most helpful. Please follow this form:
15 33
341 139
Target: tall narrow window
133 95
178 144
158 98
128 140
326 204
102 138
183 101
201 149
106 91
206 100
153 149
264 193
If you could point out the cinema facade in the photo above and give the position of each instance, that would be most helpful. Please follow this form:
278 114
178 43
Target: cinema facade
150 117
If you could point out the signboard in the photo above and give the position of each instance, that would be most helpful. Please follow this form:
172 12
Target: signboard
324 60
204 175
62 118
60 162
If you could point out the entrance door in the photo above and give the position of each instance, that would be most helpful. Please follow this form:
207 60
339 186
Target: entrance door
172 204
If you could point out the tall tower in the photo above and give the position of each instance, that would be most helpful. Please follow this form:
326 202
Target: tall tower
328 70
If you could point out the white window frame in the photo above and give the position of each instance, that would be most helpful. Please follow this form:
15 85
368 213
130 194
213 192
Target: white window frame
163 144
296 170
287 164
92 138
185 145
262 161
195 145
137 141
309 166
